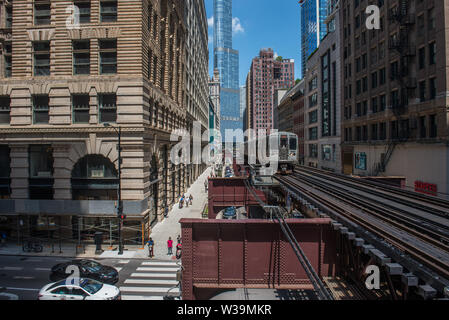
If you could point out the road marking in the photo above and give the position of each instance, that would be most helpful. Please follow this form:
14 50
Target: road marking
11 268
160 282
123 261
154 275
118 269
157 269
23 278
42 269
160 264
136 298
149 289
22 289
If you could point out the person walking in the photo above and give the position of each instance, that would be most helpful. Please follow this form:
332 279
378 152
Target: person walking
191 200
178 250
179 239
151 248
170 246
205 186
166 212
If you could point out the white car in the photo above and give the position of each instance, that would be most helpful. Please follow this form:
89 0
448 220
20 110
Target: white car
79 289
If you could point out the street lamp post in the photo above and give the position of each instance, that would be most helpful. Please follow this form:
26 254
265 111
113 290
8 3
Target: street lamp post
119 190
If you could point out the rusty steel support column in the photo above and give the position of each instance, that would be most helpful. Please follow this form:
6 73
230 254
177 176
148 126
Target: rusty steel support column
187 262
391 288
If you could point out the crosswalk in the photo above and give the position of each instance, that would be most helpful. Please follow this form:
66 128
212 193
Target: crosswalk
151 281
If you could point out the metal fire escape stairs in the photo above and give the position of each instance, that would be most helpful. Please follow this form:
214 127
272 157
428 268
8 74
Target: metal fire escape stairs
320 289
406 51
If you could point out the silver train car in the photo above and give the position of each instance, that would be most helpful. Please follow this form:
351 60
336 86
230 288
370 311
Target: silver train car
288 151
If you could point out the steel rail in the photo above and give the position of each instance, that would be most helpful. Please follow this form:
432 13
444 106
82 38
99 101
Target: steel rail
413 251
388 214
323 293
412 196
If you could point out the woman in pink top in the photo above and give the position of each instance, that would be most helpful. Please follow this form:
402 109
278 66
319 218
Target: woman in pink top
170 246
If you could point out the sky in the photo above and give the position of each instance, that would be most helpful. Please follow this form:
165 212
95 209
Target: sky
261 24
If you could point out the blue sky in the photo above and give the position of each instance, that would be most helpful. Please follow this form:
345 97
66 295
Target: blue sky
262 24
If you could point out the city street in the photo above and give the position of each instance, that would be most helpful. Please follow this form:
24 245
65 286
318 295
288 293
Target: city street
22 277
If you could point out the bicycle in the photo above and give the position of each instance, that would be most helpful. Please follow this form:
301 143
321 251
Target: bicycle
32 247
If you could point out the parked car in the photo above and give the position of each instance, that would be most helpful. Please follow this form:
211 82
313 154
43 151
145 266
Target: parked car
230 213
79 289
88 269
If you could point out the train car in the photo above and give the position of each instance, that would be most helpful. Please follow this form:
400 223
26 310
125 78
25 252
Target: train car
288 151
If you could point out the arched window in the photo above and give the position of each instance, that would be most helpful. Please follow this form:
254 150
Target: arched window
94 177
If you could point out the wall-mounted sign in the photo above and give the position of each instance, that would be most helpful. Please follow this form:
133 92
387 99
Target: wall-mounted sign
360 161
426 188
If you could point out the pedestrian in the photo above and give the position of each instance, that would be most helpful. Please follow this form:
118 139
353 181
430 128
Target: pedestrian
191 199
179 239
205 186
178 250
170 246
166 212
151 248
181 202
187 203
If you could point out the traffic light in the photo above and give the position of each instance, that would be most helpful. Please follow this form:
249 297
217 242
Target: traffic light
123 217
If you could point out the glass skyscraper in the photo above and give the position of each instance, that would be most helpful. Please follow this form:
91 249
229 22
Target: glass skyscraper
226 60
313 27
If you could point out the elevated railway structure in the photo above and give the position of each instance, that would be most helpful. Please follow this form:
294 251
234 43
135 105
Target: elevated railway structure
405 234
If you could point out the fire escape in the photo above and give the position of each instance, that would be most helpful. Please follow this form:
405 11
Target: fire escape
406 83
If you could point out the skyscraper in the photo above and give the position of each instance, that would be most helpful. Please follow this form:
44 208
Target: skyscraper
226 60
265 77
313 27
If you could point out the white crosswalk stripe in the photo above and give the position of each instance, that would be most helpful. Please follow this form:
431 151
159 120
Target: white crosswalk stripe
152 280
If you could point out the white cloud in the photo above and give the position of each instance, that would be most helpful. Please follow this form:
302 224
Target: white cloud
210 22
236 26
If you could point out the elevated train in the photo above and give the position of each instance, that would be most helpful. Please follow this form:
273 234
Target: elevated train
288 150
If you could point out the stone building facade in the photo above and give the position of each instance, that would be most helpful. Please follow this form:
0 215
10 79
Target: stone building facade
395 92
67 90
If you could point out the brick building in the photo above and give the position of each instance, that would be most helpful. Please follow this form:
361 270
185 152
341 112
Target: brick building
395 91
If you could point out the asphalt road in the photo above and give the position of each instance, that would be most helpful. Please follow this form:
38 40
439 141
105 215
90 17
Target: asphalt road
21 278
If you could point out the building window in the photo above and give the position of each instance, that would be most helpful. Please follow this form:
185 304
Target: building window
382 76
41 172
374 132
422 57
422 91
432 88
313 150
431 19
313 117
42 12
433 126
365 84
313 84
81 57
80 108
313 100
374 80
7 55
5 108
422 127
432 53
84 9
108 56
41 109
374 106
108 11
313 133
383 131
382 103
41 58
108 108
421 26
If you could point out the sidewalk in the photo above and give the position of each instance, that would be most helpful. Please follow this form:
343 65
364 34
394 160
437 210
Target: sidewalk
170 227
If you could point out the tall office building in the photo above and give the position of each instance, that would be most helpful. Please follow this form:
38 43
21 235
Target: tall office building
313 27
226 60
265 77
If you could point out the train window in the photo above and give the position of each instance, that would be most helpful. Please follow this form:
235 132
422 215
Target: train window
293 144
284 142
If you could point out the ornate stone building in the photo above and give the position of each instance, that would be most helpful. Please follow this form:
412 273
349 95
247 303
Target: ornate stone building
66 88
